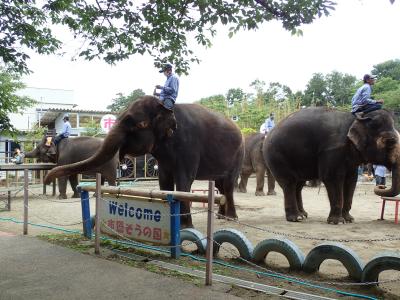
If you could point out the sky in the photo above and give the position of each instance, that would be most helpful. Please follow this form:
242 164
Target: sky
356 36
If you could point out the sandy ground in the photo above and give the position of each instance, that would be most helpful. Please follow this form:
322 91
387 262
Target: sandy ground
266 212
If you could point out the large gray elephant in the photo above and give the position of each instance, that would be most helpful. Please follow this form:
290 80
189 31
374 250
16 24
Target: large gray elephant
326 144
254 163
72 150
192 142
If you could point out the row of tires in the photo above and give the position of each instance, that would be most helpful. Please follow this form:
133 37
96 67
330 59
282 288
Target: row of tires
297 260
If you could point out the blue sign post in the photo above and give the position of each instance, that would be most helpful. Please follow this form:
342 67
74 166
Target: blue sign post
86 220
175 226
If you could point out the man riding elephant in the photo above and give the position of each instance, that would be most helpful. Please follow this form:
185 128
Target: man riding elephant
70 150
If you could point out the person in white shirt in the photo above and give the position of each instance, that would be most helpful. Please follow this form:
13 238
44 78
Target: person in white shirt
263 129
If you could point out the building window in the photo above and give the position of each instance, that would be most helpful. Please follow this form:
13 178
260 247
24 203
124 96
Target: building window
73 120
84 121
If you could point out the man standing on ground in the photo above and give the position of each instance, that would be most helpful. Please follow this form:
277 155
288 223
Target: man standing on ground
169 92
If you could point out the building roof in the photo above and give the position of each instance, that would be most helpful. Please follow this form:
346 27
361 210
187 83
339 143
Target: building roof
49 114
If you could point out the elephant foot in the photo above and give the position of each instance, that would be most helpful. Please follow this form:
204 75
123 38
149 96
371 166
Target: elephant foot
239 190
62 196
227 217
76 195
271 193
304 214
259 193
348 218
294 217
335 220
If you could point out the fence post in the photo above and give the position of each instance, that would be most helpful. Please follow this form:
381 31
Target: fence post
87 223
175 210
97 222
210 230
26 182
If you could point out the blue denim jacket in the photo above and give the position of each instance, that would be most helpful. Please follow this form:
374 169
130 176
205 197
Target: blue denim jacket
362 97
171 88
66 130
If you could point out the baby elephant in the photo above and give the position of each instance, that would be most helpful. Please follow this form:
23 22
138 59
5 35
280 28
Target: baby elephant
254 163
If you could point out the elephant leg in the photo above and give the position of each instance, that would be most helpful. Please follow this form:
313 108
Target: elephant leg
225 187
271 183
291 210
299 199
62 187
348 192
335 195
184 185
260 174
73 181
244 177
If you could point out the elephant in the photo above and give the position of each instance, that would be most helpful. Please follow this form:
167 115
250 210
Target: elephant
191 142
254 163
73 150
329 145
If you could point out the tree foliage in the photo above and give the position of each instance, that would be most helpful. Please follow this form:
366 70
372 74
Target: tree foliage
10 102
333 89
122 102
115 30
389 69
216 102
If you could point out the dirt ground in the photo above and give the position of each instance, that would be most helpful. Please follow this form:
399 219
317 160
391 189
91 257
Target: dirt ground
265 212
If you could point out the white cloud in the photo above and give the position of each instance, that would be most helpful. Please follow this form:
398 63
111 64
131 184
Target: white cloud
358 35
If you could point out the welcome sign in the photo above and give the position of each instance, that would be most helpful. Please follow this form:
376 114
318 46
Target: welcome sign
137 218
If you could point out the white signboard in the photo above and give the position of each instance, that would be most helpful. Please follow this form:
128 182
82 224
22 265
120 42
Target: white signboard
106 122
136 218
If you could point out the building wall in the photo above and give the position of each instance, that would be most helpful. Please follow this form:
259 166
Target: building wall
45 98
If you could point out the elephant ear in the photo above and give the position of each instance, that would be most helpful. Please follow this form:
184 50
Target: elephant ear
358 132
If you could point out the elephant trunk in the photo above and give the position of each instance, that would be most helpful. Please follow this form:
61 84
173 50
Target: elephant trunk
395 189
32 154
107 151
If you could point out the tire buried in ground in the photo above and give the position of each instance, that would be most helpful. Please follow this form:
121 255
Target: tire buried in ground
383 261
336 251
193 235
283 246
235 238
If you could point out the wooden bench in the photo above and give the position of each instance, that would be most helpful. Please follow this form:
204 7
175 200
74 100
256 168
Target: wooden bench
396 209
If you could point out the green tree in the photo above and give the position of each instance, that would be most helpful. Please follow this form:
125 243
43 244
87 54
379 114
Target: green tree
10 102
277 91
316 90
122 102
235 96
390 69
388 89
340 88
216 102
115 30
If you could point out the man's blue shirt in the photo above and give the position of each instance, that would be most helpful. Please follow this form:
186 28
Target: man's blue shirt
362 97
66 130
269 124
171 88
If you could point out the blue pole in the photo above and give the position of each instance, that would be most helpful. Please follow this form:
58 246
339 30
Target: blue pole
87 223
175 209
